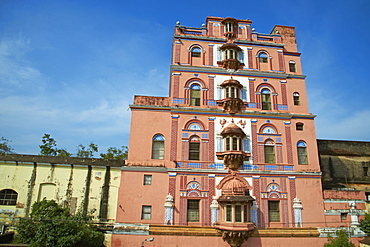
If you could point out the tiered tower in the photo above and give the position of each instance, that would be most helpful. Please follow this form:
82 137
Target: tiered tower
234 145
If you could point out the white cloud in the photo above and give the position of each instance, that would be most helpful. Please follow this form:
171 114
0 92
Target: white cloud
15 71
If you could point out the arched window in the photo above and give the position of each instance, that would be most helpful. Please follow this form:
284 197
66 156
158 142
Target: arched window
195 52
266 99
296 98
195 95
262 57
158 147
8 197
268 130
302 153
194 126
269 149
292 66
194 148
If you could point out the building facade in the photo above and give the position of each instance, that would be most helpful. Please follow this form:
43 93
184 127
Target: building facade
82 184
232 151
229 158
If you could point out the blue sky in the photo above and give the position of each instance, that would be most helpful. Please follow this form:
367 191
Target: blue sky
71 68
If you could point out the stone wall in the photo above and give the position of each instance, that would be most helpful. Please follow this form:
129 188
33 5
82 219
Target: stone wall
345 164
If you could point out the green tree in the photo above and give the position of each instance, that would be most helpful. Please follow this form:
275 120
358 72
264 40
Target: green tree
365 224
63 152
51 225
342 240
115 153
5 148
83 152
49 147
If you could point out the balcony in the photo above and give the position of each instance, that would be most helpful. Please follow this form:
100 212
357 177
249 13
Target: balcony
231 105
233 159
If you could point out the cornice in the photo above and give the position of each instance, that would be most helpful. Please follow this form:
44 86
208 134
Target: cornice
221 113
242 72
223 40
221 172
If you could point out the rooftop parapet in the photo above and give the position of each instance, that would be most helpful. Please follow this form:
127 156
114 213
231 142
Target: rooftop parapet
151 100
61 160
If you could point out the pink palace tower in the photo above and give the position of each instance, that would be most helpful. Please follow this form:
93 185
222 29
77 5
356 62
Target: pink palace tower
231 153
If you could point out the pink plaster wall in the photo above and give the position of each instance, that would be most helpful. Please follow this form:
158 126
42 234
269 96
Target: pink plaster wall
344 194
310 193
144 125
133 194
185 241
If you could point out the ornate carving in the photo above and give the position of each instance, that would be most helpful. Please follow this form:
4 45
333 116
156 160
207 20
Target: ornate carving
234 176
242 123
233 160
232 105
232 64
235 238
223 122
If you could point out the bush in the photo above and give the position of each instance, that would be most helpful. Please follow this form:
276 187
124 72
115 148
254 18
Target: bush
51 225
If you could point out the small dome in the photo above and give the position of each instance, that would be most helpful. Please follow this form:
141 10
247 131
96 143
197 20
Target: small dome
229 19
232 129
230 46
234 187
231 82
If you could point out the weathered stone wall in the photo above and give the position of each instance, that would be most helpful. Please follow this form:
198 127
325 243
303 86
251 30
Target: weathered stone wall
344 164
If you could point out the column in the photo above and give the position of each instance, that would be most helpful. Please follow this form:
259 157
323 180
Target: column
250 57
252 93
293 194
254 213
353 213
297 208
168 219
174 129
211 87
283 93
281 61
288 142
176 86
254 141
211 198
210 28
214 210
257 195
211 139
177 51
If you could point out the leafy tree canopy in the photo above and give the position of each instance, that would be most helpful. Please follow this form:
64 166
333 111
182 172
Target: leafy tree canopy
51 225
83 152
49 147
365 224
115 153
342 240
5 148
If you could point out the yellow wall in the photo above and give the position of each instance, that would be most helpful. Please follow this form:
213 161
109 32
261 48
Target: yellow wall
65 183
